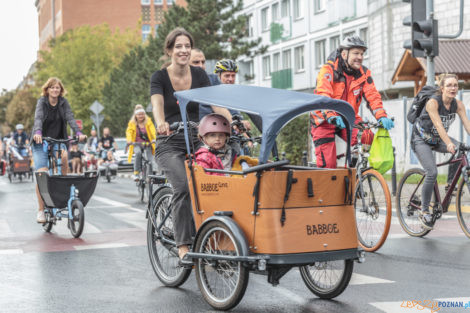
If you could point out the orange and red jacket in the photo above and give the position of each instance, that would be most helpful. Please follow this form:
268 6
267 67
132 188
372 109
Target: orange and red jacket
335 83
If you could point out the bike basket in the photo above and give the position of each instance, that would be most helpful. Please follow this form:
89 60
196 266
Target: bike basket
55 190
21 166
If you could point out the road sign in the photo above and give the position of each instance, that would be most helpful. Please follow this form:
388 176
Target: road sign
80 124
96 107
97 119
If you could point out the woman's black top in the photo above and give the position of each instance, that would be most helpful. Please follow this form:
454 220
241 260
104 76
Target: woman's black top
53 125
424 125
160 83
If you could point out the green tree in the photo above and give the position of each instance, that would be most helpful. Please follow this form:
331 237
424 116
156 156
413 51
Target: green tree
293 138
5 98
20 109
83 58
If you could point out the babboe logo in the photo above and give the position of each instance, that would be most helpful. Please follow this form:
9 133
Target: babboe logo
322 229
213 187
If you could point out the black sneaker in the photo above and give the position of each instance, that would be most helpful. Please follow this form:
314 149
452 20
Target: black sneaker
426 219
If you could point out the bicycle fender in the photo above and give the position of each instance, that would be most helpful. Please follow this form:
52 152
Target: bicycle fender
237 232
160 187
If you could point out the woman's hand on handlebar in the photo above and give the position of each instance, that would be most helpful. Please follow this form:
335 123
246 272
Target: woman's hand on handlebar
37 138
163 128
81 138
451 148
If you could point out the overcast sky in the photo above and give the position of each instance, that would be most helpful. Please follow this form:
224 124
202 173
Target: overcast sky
19 40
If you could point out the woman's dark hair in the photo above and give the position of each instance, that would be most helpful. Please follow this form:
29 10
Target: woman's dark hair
441 80
171 38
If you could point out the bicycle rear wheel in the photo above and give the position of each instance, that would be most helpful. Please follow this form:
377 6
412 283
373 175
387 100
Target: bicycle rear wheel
164 256
328 279
408 201
373 205
77 222
463 207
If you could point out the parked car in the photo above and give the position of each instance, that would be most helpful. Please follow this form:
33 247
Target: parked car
121 154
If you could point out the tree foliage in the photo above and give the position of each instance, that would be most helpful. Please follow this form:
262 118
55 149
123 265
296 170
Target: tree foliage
217 28
293 139
5 98
83 58
20 109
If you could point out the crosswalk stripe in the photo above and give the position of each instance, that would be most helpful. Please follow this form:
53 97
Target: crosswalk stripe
101 246
11 251
360 279
114 203
134 218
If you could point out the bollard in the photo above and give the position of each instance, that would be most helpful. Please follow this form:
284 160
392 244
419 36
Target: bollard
394 175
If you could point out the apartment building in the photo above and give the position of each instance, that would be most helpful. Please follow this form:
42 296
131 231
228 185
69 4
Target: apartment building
57 16
300 34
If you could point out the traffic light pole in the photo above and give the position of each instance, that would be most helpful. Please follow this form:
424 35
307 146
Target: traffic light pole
430 59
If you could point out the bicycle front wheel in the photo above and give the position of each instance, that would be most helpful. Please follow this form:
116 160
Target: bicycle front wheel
77 222
164 256
409 201
373 206
463 207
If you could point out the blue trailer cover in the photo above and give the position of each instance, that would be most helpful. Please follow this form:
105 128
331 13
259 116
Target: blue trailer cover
276 107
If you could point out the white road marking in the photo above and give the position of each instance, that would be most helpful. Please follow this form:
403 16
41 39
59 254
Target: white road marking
114 203
101 246
134 218
11 251
5 229
360 279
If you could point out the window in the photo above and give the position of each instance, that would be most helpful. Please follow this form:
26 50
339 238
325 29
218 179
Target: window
146 29
334 43
299 59
351 33
264 19
249 25
363 33
275 11
170 2
158 2
297 9
319 5
266 67
320 57
276 62
285 8
145 2
286 62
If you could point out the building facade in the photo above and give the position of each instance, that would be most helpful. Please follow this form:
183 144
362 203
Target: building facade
57 16
300 35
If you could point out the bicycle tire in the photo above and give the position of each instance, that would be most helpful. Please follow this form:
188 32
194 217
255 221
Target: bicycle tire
47 226
318 275
163 257
372 225
463 207
214 278
407 215
77 222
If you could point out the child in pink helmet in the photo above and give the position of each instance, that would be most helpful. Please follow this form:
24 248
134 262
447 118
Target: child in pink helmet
214 132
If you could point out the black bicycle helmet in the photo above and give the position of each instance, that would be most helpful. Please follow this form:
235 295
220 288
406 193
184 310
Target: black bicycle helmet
352 42
226 65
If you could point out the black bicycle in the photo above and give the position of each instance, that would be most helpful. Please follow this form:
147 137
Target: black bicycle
146 169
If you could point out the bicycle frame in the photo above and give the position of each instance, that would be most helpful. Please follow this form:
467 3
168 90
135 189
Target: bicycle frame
448 196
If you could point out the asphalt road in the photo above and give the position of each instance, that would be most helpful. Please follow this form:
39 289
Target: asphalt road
108 270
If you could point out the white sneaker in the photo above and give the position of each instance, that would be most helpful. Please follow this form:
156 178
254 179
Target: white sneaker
41 217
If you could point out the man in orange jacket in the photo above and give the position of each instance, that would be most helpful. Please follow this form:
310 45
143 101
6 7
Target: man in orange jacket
344 77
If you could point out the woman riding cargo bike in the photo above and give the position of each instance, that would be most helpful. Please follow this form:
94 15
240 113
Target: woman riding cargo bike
267 218
55 190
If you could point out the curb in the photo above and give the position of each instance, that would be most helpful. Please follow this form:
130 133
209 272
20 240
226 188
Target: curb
124 175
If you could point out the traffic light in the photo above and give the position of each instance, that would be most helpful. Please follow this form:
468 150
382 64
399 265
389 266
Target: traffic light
429 39
424 41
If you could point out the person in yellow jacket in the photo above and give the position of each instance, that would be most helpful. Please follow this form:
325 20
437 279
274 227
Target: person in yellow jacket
139 135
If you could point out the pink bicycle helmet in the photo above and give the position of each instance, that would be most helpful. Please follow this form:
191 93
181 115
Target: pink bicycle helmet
214 123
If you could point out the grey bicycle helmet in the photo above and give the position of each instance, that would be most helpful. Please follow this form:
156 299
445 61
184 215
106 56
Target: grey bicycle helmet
226 65
19 126
352 42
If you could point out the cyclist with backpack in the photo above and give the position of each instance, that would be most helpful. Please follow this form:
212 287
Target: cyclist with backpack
430 134
344 77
